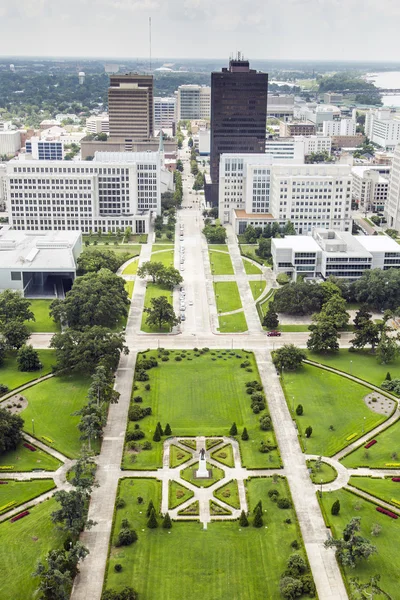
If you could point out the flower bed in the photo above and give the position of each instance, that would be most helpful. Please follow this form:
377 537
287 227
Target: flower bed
395 501
371 443
7 467
3 482
7 506
31 448
20 516
395 478
353 435
47 439
392 464
388 513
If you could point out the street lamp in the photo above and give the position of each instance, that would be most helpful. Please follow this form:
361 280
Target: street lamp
363 425
293 405
320 492
33 426
351 363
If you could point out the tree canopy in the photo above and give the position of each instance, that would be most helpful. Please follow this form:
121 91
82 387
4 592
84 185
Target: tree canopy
14 307
378 289
91 261
299 298
160 313
288 357
10 430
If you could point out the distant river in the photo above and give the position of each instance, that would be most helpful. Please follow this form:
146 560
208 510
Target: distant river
387 80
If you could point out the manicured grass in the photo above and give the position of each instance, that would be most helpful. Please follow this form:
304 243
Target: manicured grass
178 456
129 285
188 475
251 268
227 296
229 493
23 459
224 455
22 491
220 263
43 323
222 247
192 510
293 328
132 268
157 247
329 400
379 454
153 290
361 364
249 249
202 395
257 288
263 305
385 489
235 323
51 404
22 545
387 542
178 563
178 494
130 249
166 258
326 473
10 376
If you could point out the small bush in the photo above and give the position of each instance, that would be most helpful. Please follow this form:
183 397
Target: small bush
141 375
178 358
147 446
165 359
295 545
126 537
147 387
244 364
138 399
118 567
284 503
120 503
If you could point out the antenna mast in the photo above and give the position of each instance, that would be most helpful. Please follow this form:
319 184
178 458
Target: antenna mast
150 41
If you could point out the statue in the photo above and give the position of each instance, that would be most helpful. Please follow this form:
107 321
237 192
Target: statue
202 471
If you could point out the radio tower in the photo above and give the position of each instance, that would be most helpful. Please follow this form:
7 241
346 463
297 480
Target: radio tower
150 43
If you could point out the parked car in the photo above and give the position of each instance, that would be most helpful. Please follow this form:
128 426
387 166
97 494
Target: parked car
183 318
274 333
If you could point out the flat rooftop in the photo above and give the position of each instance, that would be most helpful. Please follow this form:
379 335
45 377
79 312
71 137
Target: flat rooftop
378 243
242 214
299 243
38 250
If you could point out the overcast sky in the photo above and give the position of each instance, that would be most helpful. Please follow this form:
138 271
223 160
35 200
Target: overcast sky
323 29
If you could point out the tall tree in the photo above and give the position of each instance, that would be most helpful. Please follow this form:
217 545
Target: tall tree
14 307
271 320
91 425
362 315
299 298
169 277
15 334
387 349
334 310
352 547
160 313
366 334
91 261
28 359
10 430
57 573
151 269
72 514
323 337
289 357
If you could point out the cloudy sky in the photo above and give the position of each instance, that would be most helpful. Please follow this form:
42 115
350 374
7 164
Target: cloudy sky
323 29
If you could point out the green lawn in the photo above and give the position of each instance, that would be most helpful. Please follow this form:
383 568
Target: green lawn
22 544
326 473
153 290
222 247
220 263
229 493
224 455
10 376
156 247
130 249
188 475
202 395
250 250
380 454
43 323
293 328
257 288
132 268
329 400
22 491
387 542
166 258
235 323
51 404
23 459
251 268
178 494
186 562
362 364
265 303
129 285
178 456
227 296
385 489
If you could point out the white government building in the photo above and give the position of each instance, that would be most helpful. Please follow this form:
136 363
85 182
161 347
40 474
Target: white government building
337 253
382 127
253 190
164 112
115 190
193 102
370 186
295 149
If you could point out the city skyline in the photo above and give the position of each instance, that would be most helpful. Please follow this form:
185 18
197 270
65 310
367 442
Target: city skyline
118 29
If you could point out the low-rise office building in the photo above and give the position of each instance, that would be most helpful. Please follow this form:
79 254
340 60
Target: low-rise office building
98 124
164 112
295 149
293 128
370 187
341 127
337 253
280 106
40 264
382 127
10 142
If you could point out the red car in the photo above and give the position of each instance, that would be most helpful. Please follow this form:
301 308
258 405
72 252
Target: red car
273 333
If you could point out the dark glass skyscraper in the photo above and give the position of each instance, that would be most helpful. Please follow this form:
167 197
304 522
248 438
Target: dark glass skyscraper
238 115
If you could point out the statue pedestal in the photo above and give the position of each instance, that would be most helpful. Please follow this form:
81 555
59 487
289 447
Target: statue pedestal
202 471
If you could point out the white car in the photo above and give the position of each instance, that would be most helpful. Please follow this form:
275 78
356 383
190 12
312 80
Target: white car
182 268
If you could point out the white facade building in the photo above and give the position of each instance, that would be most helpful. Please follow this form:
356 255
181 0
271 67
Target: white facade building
317 144
98 124
295 149
392 209
371 186
340 127
382 128
115 190
280 106
164 112
10 142
44 149
38 265
193 102
253 190
329 252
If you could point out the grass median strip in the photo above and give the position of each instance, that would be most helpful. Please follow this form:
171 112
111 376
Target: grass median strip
227 296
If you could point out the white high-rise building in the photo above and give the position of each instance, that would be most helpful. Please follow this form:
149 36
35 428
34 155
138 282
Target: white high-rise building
253 190
392 209
164 112
193 102
339 127
115 190
382 128
371 186
10 142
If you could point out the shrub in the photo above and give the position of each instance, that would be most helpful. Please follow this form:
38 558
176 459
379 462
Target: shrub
141 375
148 363
137 434
147 446
3 389
147 387
266 423
299 410
118 567
296 566
244 364
258 519
290 588
233 430
295 545
157 436
243 520
126 537
335 509
167 523
138 399
127 593
152 522
284 503
273 494
167 430
376 529
150 507
137 412
178 358
120 503
245 435
308 431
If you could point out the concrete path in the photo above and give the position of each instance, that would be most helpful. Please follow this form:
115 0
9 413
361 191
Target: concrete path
323 563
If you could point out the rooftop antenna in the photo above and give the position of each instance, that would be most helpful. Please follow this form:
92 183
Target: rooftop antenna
150 42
